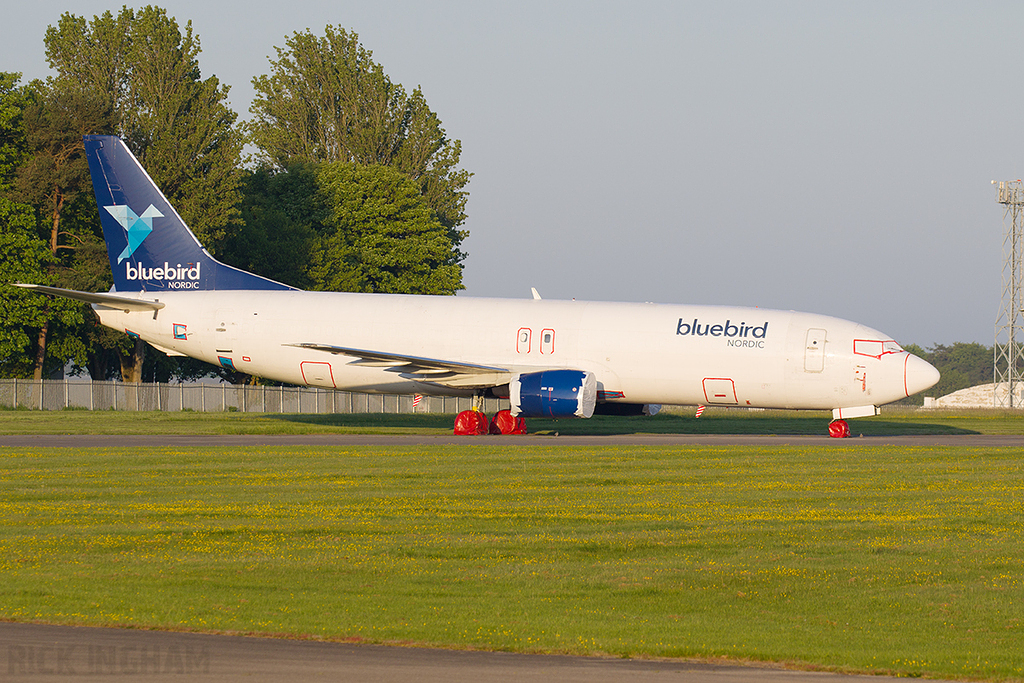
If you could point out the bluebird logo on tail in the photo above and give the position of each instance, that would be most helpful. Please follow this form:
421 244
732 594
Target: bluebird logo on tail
137 227
171 258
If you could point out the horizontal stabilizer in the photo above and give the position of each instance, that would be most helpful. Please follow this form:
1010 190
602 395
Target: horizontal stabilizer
109 300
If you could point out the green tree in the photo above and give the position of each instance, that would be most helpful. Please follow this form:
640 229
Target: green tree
916 350
55 173
38 184
24 257
344 227
281 212
177 124
379 235
52 178
90 272
326 100
13 101
960 365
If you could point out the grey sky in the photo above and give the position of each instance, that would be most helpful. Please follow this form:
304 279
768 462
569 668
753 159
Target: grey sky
821 156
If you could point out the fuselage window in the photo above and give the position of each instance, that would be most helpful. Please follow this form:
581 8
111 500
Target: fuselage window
523 340
547 341
875 348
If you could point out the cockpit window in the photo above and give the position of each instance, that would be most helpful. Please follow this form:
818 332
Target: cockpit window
875 348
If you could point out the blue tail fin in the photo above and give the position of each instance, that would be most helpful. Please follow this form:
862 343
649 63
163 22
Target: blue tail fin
150 247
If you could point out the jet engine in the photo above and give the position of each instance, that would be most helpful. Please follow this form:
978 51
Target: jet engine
553 393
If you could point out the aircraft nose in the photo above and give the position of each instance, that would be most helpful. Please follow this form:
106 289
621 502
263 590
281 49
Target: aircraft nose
918 374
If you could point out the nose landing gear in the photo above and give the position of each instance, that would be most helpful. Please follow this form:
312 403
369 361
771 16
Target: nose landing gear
839 429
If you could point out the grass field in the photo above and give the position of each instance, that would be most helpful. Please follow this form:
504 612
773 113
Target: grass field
874 559
714 421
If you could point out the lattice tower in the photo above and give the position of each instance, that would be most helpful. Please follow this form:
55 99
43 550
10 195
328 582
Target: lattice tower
1009 352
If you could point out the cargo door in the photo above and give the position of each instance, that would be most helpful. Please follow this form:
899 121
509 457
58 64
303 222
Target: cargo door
720 391
317 373
225 338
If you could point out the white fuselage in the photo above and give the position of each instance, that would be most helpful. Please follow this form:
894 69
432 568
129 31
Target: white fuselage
639 353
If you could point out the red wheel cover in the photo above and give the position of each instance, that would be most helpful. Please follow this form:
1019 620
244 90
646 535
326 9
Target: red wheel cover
504 423
470 423
839 429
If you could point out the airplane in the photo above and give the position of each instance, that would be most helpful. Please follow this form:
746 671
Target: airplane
548 358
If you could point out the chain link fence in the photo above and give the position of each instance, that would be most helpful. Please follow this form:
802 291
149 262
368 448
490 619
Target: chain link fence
87 395
64 394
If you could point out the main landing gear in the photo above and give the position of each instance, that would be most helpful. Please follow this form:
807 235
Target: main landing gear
839 429
474 422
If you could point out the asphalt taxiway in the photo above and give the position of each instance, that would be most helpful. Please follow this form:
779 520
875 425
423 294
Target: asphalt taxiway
250 440
44 653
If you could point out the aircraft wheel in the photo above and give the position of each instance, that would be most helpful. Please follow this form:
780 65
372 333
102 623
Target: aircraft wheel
471 423
839 429
504 423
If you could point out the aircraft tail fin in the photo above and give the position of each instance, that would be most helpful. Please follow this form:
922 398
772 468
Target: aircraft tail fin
149 246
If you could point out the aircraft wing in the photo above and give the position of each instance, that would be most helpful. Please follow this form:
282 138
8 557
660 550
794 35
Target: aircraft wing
123 303
437 371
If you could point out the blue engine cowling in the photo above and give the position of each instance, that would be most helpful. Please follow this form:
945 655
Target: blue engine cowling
553 393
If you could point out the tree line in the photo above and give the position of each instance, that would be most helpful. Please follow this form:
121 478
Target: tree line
961 365
355 186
